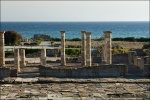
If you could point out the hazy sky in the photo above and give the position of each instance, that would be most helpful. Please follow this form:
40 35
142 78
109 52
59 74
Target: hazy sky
74 10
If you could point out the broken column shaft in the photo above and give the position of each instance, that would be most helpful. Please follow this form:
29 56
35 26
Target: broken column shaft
63 57
17 59
43 56
107 47
88 49
83 49
2 50
22 54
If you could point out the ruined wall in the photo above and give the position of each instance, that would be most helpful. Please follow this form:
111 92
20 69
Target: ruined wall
146 70
4 72
120 58
85 72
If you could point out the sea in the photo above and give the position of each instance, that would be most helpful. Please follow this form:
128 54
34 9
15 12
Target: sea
73 29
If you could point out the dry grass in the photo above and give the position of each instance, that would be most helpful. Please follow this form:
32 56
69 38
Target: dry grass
124 44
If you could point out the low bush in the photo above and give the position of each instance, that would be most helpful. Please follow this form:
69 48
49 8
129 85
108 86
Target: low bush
146 46
9 53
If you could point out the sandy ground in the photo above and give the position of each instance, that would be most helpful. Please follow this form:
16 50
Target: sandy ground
35 60
124 44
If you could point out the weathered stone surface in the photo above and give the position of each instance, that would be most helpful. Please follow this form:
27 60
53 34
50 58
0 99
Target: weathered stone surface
88 72
85 91
63 56
2 50
4 72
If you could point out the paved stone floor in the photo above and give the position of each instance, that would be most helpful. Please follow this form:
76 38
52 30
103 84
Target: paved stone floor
76 89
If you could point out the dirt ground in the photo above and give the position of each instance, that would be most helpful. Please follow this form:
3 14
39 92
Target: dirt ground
124 44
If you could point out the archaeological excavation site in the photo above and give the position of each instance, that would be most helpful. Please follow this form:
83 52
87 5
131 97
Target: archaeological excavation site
83 77
135 63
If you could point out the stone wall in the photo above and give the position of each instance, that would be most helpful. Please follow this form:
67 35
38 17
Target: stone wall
85 72
146 70
4 72
120 59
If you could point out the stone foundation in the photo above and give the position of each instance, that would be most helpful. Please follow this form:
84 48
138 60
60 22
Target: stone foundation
120 58
117 70
146 70
4 72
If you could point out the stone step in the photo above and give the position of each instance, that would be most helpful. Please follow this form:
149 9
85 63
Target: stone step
28 75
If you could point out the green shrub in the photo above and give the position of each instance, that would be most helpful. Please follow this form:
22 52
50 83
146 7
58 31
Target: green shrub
8 53
73 52
146 46
30 51
12 38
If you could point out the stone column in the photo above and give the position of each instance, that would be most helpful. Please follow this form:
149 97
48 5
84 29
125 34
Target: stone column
104 54
83 49
88 49
22 62
63 56
2 49
43 56
108 54
131 55
17 59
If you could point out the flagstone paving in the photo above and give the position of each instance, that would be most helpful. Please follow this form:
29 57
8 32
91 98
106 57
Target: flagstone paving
77 89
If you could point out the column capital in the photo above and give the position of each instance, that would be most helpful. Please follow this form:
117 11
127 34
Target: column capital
88 33
83 31
2 32
107 32
62 32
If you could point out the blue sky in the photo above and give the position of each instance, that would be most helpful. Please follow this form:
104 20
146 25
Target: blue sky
74 10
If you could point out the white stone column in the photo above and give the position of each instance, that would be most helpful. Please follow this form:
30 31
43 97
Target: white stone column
22 54
43 56
17 59
88 49
63 56
108 54
83 49
2 50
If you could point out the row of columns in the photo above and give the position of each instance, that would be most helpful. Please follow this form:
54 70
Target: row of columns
85 51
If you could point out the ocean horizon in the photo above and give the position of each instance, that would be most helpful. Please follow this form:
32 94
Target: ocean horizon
73 29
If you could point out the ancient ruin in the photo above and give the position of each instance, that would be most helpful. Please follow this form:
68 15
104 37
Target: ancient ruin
43 57
84 77
23 58
17 59
83 49
85 66
88 49
107 55
63 56
2 50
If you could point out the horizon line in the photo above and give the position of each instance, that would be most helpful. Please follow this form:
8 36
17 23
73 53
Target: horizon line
74 21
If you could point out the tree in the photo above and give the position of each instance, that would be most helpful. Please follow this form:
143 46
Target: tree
12 38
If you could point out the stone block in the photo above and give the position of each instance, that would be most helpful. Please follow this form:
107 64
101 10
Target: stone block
4 72
14 72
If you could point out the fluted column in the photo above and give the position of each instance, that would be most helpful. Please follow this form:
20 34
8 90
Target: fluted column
108 54
43 56
83 49
17 59
88 49
22 54
63 56
2 50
